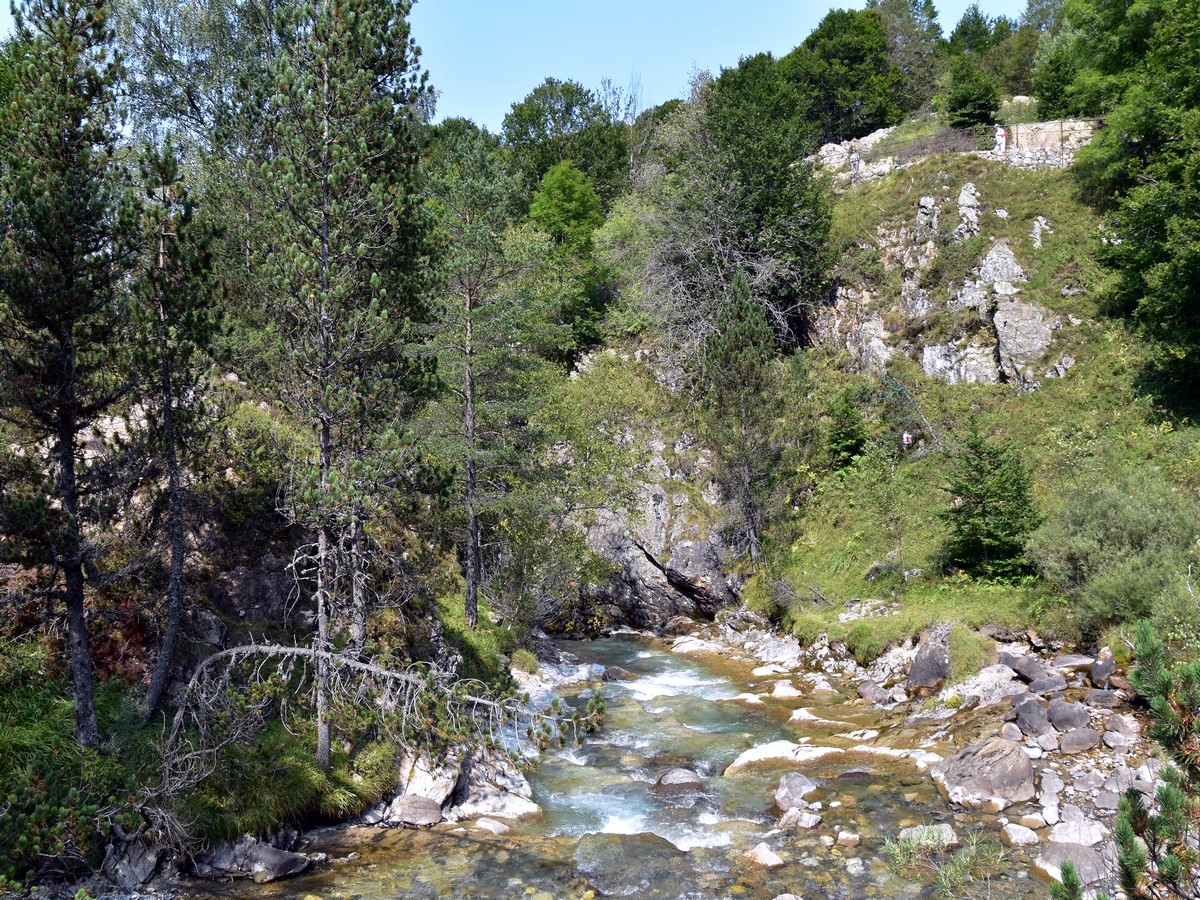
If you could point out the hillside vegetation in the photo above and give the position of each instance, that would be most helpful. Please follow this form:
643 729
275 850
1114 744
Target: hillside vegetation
317 413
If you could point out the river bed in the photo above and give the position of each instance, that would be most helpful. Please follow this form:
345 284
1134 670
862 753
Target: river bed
606 832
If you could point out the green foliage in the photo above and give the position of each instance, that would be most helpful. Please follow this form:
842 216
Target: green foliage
1071 887
1118 550
972 98
274 780
738 384
843 73
57 798
563 120
1144 164
991 510
972 34
848 432
1156 849
567 208
524 661
913 39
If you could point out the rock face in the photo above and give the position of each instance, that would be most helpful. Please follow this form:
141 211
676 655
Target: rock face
1023 336
669 562
991 774
254 595
931 666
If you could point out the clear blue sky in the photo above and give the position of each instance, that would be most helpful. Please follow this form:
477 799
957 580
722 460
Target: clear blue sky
485 55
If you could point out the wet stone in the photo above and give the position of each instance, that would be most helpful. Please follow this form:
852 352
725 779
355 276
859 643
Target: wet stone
794 791
1101 671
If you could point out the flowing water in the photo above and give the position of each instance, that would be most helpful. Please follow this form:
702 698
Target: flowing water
605 832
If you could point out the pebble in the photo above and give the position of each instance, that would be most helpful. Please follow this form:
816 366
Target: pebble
855 866
848 839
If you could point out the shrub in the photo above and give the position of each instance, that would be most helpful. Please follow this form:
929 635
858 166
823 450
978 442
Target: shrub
1118 550
524 661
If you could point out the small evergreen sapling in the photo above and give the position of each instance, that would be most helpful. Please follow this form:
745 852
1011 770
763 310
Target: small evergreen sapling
991 511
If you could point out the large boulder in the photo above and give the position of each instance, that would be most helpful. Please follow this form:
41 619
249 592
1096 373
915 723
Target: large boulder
266 863
1088 863
931 666
414 811
631 865
990 775
1023 336
493 788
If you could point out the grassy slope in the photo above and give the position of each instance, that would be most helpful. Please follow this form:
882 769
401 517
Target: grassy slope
1072 432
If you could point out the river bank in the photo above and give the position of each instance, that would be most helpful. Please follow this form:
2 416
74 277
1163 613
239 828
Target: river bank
733 762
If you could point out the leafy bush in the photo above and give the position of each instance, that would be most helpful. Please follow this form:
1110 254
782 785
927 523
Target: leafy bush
1118 550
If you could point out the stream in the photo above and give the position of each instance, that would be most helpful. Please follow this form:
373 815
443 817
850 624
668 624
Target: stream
605 832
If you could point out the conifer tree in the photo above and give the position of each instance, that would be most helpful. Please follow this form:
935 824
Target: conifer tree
69 245
992 510
491 322
342 248
177 306
738 380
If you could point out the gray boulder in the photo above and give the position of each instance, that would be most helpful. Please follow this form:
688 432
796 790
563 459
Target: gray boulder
1064 716
1088 863
990 774
794 791
1048 684
265 863
414 811
1023 336
1030 668
1077 740
1102 670
1103 699
873 693
1032 720
678 781
931 666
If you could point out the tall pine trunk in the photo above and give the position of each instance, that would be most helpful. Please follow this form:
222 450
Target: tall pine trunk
87 731
473 563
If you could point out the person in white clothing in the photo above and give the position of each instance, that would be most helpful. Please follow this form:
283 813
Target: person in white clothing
855 162
1001 139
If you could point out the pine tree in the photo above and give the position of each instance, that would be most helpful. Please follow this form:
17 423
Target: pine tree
1157 855
343 251
70 241
490 324
738 380
992 511
180 321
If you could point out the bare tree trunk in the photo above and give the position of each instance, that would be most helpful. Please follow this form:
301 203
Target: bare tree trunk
87 731
473 564
178 542
175 524
358 587
324 555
